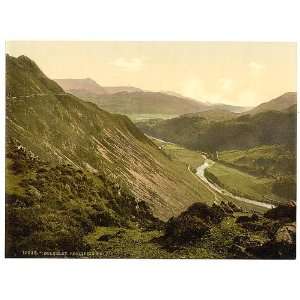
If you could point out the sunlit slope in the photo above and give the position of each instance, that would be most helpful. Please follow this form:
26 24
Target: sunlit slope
60 128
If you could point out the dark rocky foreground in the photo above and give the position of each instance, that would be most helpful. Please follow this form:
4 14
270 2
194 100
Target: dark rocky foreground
265 236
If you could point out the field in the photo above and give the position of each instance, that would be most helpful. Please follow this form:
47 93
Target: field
243 184
265 160
237 182
192 158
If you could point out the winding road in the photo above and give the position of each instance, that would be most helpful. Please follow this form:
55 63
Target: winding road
201 174
214 188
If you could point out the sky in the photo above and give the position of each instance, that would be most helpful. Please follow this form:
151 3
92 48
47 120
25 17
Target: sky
237 73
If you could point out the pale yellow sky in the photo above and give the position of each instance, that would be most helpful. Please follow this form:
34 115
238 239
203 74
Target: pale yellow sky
228 72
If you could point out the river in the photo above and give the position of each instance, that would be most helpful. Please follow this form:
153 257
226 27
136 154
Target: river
201 174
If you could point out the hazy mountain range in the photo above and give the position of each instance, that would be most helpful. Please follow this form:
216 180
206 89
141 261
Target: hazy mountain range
132 100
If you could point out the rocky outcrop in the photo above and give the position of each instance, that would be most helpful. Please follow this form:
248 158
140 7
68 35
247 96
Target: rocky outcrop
283 212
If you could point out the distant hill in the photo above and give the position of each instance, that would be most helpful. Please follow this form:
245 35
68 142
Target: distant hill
132 100
60 128
87 87
279 104
198 132
214 115
145 103
232 108
120 89
83 85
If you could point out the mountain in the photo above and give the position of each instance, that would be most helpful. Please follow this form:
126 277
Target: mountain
231 108
87 86
131 100
214 115
146 103
278 104
120 89
246 131
60 128
81 85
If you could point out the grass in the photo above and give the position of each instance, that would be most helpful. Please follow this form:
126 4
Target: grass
266 160
183 155
243 184
126 243
134 243
12 181
187 161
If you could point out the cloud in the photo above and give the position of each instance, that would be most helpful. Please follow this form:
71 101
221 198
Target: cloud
129 65
255 67
226 84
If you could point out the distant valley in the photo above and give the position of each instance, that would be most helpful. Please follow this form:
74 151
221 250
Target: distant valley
136 103
126 173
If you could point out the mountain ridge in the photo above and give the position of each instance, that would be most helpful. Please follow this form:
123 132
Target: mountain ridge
279 103
70 130
135 100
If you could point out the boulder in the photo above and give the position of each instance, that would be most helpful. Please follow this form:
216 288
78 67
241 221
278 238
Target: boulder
286 234
244 219
253 226
283 212
234 207
185 229
105 237
281 246
210 215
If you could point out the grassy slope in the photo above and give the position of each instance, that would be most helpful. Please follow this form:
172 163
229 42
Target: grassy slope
71 130
266 128
243 184
271 160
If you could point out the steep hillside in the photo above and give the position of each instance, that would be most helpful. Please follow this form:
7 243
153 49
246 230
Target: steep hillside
60 128
247 131
278 104
52 208
19 81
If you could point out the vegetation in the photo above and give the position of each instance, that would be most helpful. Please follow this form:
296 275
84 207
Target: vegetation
63 211
275 162
266 160
54 207
144 103
198 133
81 180
280 103
72 131
243 184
